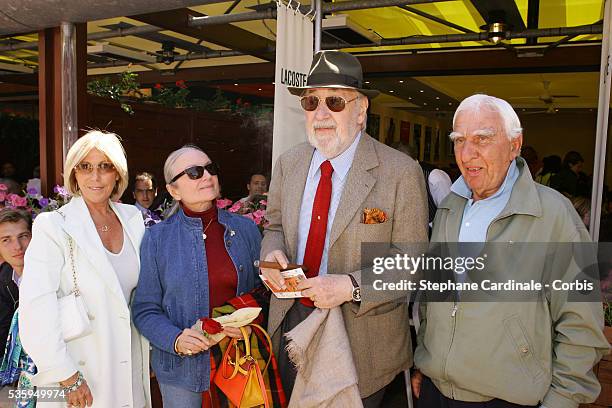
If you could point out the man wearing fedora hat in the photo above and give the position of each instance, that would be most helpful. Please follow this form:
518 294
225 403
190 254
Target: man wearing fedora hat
321 196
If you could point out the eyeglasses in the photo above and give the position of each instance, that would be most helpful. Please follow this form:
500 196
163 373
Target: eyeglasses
334 103
196 172
88 168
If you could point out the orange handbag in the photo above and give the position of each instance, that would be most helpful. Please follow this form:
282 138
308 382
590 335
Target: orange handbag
239 376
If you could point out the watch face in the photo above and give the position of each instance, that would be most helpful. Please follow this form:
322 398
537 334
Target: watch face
357 294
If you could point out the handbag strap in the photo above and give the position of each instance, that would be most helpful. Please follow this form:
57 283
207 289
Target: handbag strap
248 346
75 287
239 361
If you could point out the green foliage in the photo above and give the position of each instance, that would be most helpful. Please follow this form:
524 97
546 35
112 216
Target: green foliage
116 88
218 103
172 97
608 313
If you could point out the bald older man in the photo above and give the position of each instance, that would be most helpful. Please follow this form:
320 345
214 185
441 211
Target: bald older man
538 353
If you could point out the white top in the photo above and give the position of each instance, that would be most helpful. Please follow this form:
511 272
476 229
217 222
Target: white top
125 264
439 185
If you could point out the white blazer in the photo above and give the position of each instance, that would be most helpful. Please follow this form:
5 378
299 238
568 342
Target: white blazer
105 356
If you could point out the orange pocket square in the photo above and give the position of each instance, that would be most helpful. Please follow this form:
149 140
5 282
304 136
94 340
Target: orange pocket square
374 216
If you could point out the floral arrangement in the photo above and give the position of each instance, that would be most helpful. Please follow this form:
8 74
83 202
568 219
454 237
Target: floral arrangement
32 201
123 86
116 89
172 97
254 210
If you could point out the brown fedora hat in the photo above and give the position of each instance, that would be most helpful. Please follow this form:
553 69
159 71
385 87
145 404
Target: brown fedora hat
334 69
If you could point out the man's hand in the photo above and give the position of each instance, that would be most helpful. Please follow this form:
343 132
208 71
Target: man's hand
273 275
415 381
327 291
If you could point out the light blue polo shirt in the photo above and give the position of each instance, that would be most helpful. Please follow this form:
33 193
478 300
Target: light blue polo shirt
478 215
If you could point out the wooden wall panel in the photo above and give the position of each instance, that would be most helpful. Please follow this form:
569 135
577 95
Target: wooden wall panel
154 131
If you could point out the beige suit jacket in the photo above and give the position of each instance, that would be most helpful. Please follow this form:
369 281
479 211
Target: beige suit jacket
380 177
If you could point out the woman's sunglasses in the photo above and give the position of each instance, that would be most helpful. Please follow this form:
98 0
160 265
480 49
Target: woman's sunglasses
88 168
334 103
196 172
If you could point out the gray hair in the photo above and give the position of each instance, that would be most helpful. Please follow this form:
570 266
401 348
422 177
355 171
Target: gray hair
173 157
512 124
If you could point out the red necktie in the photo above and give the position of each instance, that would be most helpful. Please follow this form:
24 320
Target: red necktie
318 225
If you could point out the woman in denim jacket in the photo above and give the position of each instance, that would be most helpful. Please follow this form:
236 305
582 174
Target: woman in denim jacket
191 263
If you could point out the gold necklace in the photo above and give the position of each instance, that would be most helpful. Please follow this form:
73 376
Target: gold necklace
204 236
104 228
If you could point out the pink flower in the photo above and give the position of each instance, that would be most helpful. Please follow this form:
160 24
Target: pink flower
263 202
17 201
249 216
259 213
236 207
2 195
223 203
3 187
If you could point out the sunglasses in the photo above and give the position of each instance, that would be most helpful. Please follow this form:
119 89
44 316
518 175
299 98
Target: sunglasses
334 103
196 172
88 168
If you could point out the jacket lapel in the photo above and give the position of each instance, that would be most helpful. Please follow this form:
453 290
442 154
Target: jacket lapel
295 188
358 185
79 225
455 206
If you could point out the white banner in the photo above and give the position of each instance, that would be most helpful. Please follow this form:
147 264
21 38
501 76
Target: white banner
293 57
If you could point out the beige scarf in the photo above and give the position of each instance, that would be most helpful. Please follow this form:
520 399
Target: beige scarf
320 349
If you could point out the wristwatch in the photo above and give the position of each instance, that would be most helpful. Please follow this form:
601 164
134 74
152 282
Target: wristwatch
356 295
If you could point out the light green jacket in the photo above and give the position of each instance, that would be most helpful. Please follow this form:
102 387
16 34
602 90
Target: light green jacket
528 353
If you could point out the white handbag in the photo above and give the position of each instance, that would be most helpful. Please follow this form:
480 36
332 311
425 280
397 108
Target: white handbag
73 313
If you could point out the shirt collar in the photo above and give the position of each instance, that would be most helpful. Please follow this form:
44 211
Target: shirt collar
341 163
461 188
16 278
140 207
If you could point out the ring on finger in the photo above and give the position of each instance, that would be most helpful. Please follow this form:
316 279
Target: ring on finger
189 352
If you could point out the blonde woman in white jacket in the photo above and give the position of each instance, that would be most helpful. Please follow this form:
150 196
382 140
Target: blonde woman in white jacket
108 367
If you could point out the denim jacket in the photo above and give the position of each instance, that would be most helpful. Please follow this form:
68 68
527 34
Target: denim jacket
172 292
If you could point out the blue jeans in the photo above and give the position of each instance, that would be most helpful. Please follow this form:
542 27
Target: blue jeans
177 397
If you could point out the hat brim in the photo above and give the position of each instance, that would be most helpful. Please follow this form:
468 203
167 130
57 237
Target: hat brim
299 91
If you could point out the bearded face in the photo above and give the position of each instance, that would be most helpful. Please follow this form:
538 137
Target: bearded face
333 132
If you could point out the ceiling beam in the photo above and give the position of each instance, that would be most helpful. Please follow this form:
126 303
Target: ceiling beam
226 35
485 62
533 17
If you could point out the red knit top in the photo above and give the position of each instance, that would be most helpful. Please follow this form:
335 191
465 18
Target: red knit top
222 274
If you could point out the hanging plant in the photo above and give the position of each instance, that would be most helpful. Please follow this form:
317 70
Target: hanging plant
117 88
171 97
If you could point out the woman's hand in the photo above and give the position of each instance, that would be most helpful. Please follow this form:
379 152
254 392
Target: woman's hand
191 342
81 397
235 332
